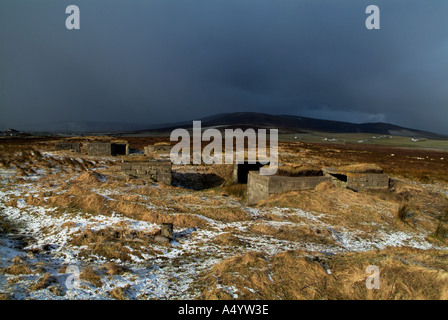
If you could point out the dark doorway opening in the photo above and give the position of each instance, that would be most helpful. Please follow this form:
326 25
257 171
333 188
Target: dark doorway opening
340 177
244 168
118 149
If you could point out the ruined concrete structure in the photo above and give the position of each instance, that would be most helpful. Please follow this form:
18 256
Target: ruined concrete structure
261 187
241 170
107 148
158 171
68 146
358 181
157 149
95 148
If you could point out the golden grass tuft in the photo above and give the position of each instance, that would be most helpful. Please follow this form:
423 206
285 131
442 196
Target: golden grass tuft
237 190
89 178
119 293
299 171
294 233
17 269
91 276
5 296
45 281
225 214
112 268
228 240
324 186
403 212
107 243
361 168
162 144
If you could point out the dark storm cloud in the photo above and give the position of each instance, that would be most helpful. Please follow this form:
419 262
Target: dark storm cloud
159 61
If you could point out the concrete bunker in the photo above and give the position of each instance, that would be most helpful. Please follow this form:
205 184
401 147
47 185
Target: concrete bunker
68 146
358 177
107 148
260 187
157 171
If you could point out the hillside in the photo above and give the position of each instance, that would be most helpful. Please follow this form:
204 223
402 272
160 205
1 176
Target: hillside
296 124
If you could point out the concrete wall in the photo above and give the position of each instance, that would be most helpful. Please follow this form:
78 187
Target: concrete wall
358 181
106 149
72 146
257 187
158 171
261 187
364 181
99 149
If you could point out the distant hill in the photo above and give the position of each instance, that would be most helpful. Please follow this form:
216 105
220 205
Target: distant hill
243 120
296 124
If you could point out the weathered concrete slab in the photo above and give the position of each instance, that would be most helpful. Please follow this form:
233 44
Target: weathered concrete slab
107 148
358 181
261 187
158 171
70 146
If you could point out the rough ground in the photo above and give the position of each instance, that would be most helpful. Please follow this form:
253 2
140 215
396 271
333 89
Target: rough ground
62 210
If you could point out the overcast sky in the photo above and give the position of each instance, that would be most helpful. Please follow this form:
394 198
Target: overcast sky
152 61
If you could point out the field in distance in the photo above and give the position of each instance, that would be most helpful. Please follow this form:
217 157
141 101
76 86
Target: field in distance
367 138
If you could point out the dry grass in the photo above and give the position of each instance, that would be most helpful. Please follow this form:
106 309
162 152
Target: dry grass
361 168
28 159
79 197
299 171
162 144
341 206
91 276
228 240
89 178
112 268
294 233
236 190
45 281
17 269
141 212
367 210
441 231
5 296
404 274
225 214
108 243
403 212
119 293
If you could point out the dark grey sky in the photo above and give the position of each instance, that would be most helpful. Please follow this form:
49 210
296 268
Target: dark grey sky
171 60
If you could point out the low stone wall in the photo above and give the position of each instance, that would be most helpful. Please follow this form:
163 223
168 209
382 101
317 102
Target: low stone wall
261 187
70 146
158 171
157 149
364 181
